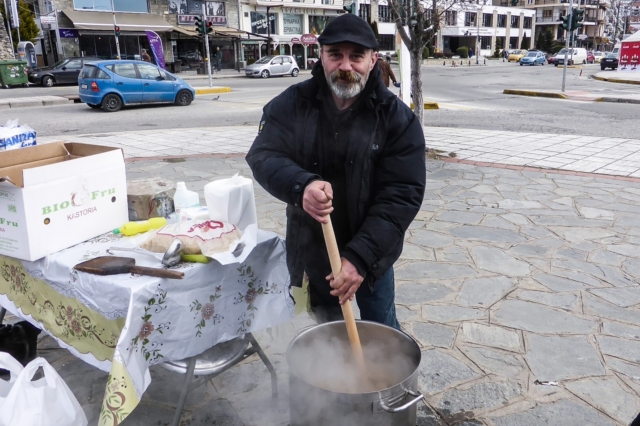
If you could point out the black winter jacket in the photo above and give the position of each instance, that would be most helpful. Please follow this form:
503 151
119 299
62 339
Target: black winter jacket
385 168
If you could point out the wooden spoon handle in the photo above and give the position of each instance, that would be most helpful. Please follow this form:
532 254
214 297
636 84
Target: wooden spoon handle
347 310
156 272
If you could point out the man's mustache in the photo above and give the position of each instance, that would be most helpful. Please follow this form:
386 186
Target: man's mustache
350 76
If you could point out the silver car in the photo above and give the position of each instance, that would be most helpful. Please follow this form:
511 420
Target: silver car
273 65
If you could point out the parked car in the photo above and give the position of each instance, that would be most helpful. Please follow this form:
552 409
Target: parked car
551 59
273 65
111 84
516 55
533 57
591 59
64 72
576 55
597 56
609 61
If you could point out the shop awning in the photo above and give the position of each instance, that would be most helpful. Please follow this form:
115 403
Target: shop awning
89 20
192 33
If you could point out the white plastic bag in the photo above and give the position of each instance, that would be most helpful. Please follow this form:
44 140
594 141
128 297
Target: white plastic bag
7 362
14 136
45 402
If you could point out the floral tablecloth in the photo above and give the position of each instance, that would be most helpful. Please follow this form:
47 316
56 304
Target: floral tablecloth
122 324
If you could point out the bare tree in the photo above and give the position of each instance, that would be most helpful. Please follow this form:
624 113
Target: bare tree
423 19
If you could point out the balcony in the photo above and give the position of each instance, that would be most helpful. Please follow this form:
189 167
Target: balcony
324 4
542 2
547 19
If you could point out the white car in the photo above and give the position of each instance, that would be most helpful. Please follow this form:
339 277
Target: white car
270 65
597 56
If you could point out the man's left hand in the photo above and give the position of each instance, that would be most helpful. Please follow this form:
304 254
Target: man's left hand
346 283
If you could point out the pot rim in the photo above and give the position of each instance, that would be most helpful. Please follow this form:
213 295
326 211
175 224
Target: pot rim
391 391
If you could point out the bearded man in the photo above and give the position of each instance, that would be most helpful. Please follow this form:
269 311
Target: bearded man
342 144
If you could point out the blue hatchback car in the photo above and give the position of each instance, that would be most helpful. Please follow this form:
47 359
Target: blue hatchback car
111 84
533 57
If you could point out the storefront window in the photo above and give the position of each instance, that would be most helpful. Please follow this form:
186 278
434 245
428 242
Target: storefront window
317 24
259 23
292 24
118 5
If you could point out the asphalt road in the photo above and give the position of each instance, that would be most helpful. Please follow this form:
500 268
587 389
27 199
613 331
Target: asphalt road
469 97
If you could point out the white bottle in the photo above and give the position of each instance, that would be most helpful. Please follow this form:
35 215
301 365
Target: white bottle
184 199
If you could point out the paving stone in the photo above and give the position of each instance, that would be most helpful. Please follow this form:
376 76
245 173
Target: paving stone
540 319
632 371
460 217
479 397
621 330
593 305
433 271
484 233
409 251
529 250
519 205
563 301
576 276
500 223
434 334
565 201
439 370
606 273
570 253
631 250
558 284
495 260
412 294
405 314
562 220
484 291
516 219
621 296
621 348
632 267
606 394
426 238
453 254
536 231
450 313
608 258
593 213
492 336
555 358
495 362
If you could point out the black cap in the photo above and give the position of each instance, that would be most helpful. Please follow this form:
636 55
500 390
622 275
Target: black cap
349 28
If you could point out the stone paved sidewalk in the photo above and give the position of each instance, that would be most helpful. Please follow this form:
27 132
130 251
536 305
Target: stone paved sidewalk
521 288
610 156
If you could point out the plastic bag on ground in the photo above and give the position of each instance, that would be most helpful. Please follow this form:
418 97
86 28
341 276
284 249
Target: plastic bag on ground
14 136
44 402
9 363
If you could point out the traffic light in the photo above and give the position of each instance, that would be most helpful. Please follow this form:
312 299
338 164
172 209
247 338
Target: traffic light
577 18
209 27
200 25
566 22
117 30
351 8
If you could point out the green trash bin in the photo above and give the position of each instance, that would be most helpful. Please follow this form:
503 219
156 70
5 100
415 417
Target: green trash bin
13 72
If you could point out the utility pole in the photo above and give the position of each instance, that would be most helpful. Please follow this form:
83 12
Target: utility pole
6 13
566 47
478 14
113 11
206 41
269 33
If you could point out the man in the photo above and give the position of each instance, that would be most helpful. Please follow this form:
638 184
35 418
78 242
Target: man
341 143
218 58
386 72
145 56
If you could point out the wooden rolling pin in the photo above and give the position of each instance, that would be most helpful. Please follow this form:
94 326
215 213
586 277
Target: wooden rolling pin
347 310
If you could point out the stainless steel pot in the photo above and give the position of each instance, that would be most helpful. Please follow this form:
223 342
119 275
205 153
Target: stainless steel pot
313 404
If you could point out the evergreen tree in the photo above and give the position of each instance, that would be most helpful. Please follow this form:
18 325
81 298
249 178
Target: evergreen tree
496 54
29 30
548 40
540 44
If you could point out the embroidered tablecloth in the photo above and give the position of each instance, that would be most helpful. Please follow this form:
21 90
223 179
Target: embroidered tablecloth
123 323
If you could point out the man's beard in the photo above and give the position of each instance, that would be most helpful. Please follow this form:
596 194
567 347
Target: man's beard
350 88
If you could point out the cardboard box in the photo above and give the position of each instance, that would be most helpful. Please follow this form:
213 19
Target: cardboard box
57 195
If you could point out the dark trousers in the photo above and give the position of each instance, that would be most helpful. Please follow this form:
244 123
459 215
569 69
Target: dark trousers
378 306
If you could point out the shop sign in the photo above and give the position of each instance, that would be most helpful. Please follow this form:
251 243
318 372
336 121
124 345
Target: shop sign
292 24
191 19
47 19
309 39
68 33
259 23
295 40
300 11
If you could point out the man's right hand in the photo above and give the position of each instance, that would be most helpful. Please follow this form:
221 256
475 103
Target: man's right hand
317 200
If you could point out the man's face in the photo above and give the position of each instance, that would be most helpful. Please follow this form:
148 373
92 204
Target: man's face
347 67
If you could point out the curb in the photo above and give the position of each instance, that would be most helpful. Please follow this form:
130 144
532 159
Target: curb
534 93
619 100
34 103
212 90
429 105
608 80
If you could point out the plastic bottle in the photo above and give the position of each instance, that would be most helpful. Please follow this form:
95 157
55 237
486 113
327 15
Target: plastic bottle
184 199
138 227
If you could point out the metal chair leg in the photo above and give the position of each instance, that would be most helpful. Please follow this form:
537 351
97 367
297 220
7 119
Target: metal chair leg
267 363
184 392
3 311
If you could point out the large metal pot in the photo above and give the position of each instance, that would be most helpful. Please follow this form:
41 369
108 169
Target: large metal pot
316 402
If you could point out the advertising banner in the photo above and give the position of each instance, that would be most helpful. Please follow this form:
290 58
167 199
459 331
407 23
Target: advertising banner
629 56
156 47
259 23
14 17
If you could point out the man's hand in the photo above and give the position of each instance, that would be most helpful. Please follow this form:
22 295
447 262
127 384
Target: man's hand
317 200
346 283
